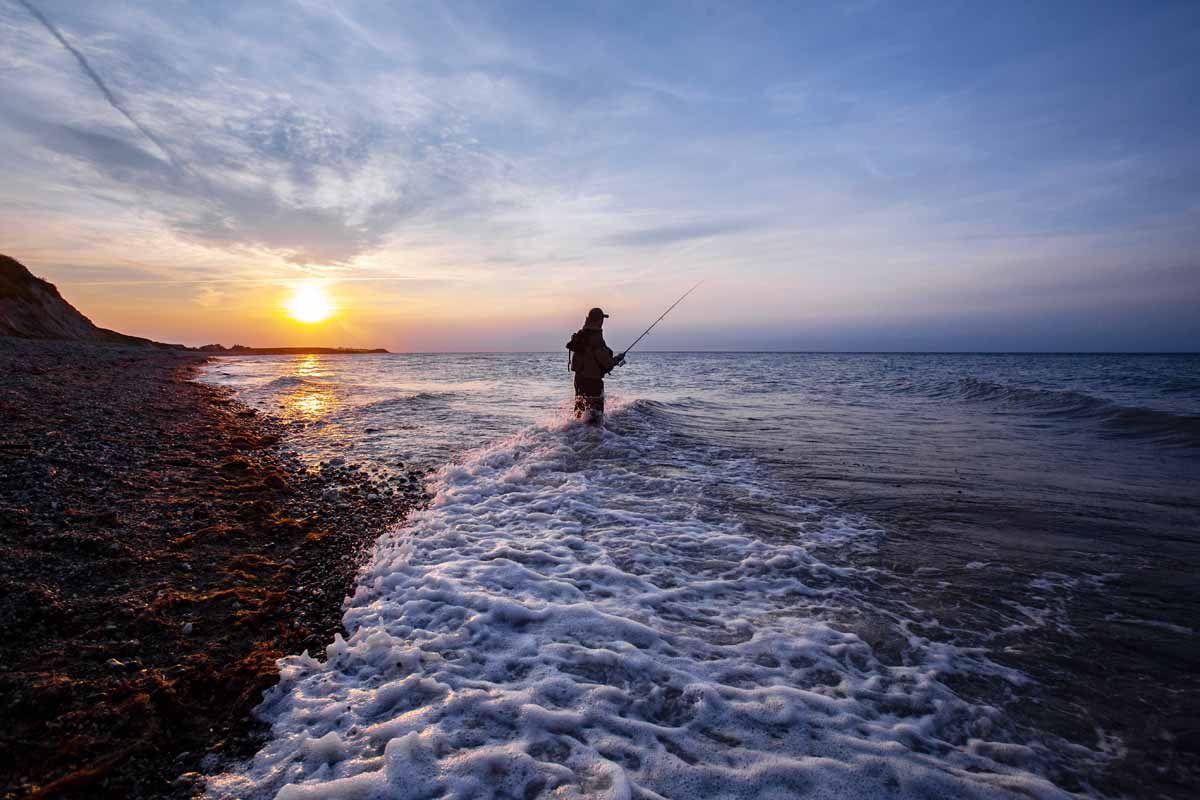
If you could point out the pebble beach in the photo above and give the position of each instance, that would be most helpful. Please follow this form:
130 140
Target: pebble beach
162 552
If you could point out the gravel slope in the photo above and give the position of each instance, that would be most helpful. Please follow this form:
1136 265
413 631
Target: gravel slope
158 551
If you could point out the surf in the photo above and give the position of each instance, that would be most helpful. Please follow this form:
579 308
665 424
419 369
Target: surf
578 613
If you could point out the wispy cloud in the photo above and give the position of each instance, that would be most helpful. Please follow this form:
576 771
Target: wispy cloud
797 154
682 232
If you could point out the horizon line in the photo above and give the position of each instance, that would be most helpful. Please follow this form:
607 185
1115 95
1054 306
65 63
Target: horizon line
732 352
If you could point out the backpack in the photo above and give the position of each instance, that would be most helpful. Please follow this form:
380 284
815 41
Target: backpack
578 344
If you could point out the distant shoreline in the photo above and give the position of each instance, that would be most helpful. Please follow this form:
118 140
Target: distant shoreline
290 351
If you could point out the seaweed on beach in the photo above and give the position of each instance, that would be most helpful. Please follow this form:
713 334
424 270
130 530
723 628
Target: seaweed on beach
160 554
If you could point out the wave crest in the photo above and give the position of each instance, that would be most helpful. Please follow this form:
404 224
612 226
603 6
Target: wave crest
1139 422
289 381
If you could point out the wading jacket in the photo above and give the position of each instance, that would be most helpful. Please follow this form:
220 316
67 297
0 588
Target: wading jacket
590 356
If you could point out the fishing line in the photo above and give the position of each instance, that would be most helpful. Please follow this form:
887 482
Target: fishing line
660 319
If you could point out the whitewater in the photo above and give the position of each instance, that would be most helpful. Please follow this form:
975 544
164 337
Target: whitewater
651 610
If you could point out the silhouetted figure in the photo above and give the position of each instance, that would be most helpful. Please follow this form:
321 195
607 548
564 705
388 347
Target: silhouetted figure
591 360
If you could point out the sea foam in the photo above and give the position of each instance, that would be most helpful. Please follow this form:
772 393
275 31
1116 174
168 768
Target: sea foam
583 613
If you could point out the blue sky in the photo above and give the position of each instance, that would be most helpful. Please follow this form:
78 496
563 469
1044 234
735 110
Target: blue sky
854 175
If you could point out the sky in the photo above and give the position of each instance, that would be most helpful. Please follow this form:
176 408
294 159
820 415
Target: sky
851 175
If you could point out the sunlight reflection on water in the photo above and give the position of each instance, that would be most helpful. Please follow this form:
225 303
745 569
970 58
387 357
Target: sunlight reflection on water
308 404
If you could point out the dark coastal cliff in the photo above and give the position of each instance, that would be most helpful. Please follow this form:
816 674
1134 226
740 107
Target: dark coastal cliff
32 308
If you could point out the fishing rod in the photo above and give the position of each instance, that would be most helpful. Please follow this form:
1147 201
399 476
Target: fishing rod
660 319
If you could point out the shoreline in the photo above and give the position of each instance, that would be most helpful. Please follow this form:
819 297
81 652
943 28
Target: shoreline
290 351
164 552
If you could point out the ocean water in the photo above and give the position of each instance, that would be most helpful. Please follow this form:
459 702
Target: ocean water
767 575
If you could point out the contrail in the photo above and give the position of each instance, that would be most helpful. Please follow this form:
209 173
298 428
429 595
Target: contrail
96 79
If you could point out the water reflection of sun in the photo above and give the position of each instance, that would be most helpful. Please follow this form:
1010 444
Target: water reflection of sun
312 398
307 404
309 366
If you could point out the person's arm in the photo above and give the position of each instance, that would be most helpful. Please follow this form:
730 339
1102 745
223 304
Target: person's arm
604 356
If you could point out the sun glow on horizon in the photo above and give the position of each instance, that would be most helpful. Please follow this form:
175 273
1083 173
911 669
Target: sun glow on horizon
309 303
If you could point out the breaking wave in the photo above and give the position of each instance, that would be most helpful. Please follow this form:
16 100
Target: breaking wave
289 381
406 400
585 613
1133 421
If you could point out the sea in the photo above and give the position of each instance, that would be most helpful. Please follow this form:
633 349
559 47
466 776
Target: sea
766 575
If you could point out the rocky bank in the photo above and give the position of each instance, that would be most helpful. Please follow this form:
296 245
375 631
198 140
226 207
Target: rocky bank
161 550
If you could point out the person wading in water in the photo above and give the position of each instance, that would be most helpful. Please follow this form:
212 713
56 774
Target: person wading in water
591 360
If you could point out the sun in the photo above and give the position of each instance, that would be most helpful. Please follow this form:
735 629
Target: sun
309 303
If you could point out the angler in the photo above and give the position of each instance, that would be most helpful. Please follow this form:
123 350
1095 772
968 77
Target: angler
591 359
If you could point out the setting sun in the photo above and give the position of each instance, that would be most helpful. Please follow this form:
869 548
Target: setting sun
309 303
